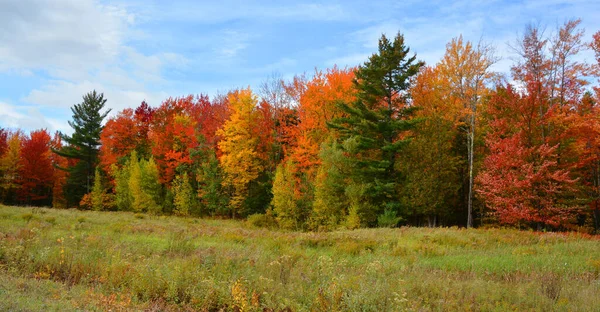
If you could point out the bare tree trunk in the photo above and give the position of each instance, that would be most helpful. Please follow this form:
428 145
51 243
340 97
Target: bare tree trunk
470 146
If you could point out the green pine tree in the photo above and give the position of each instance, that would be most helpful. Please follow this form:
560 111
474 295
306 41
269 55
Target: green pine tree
375 122
83 145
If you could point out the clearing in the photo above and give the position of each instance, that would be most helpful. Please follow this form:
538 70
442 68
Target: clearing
83 260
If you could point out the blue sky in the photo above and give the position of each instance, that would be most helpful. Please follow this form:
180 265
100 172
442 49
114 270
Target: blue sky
54 51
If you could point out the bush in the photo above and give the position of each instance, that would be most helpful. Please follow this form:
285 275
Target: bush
86 202
388 219
264 220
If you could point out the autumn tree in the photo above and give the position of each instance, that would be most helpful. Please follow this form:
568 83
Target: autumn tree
10 167
184 201
289 213
531 139
432 163
376 121
98 193
240 160
35 171
83 145
143 185
174 135
121 186
466 71
3 141
59 176
521 183
330 206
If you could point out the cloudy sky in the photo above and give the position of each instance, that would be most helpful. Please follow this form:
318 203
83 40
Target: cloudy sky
54 51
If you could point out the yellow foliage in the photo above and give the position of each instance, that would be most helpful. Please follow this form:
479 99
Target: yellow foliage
240 159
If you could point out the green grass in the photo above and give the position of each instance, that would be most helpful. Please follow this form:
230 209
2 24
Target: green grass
61 260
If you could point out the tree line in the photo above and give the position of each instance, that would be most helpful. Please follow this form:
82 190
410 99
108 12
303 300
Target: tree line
390 142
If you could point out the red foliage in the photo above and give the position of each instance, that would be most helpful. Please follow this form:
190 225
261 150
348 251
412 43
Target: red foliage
3 141
173 134
59 176
521 180
119 138
36 171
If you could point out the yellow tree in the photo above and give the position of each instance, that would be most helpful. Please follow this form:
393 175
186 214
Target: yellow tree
466 69
10 164
240 158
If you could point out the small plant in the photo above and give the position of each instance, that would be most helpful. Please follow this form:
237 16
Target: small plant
266 220
551 286
388 219
81 219
139 216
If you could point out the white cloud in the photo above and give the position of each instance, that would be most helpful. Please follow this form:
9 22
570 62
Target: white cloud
39 34
27 118
82 46
63 94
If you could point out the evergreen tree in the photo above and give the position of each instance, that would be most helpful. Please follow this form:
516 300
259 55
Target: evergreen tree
83 145
376 120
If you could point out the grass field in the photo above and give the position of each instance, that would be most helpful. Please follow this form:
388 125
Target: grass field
81 260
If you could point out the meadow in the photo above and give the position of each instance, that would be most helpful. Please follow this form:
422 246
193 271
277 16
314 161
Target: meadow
69 260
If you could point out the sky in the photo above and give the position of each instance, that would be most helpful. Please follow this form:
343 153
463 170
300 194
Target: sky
52 52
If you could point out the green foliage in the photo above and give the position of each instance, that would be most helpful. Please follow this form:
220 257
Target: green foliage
431 166
144 188
285 203
83 144
388 219
210 191
330 204
263 220
122 196
375 121
184 199
151 185
158 264
360 210
97 193
137 186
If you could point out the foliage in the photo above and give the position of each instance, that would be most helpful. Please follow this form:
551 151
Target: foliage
240 160
376 120
330 204
285 202
210 191
82 145
184 200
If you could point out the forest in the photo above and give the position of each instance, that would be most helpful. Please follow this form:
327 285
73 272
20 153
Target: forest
391 142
